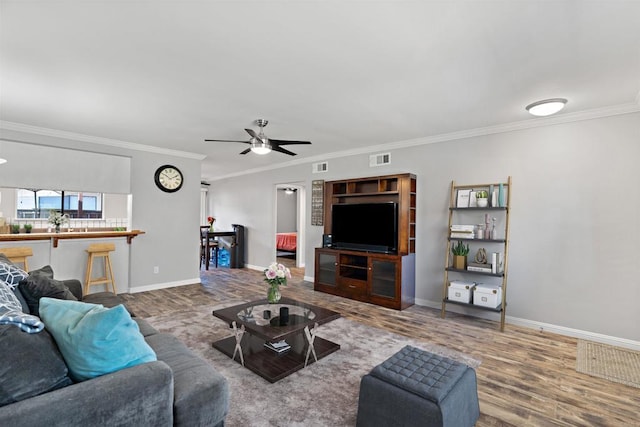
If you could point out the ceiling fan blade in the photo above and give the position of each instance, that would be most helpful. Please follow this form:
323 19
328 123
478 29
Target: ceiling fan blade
246 151
252 133
226 140
282 150
284 142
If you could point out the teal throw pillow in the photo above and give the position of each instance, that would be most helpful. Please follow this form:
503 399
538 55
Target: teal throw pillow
94 340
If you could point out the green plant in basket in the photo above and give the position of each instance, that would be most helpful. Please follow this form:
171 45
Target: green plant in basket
460 249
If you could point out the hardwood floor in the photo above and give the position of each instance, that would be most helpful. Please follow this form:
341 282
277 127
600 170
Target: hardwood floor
527 378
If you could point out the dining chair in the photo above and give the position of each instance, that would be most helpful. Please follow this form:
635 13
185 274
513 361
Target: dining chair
213 247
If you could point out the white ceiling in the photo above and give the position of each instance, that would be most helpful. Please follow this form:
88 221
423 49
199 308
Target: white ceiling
343 74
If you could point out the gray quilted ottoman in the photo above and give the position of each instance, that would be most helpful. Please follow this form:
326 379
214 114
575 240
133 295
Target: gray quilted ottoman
417 388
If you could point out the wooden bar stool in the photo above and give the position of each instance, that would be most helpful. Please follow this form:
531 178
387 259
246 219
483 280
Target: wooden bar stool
18 255
100 250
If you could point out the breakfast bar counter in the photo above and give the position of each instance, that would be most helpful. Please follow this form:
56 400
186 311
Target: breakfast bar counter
66 252
55 237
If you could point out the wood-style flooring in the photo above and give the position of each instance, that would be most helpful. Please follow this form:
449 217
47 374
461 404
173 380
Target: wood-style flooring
527 378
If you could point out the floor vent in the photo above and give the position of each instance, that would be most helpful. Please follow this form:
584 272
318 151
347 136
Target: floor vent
320 167
379 159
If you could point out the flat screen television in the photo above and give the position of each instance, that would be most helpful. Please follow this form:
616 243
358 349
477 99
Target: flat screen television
365 226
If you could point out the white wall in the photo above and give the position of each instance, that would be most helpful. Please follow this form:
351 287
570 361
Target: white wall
55 168
170 221
573 257
287 212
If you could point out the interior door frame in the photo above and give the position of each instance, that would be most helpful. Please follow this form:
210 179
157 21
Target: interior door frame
300 219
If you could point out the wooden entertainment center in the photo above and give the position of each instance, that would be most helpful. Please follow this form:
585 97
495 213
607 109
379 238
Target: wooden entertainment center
379 278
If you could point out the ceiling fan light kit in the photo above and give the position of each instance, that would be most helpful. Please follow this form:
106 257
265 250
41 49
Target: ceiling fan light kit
546 107
260 147
260 144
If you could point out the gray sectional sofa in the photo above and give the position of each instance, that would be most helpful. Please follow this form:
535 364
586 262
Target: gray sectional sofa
178 389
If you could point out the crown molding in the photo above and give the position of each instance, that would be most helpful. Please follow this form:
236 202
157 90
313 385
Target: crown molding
597 113
54 133
614 110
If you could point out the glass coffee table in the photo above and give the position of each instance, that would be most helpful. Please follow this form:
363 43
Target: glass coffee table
258 323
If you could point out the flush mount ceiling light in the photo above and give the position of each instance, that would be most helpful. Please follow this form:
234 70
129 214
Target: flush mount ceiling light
2 160
546 107
259 146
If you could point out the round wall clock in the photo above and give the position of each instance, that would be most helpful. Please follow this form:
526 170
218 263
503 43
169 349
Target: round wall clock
168 178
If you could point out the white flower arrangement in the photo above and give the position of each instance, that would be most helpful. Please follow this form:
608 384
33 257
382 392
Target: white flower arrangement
277 274
57 219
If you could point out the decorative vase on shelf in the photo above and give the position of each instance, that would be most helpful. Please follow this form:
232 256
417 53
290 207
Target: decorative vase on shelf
273 295
57 228
459 262
482 203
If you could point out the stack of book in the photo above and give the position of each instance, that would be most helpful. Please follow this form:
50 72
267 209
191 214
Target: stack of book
462 231
278 347
482 268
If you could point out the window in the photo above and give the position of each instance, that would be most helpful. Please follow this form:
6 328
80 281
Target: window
33 203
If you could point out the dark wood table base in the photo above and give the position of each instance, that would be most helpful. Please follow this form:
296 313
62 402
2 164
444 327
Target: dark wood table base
269 364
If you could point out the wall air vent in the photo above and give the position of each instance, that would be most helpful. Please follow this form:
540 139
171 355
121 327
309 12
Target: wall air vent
379 159
320 167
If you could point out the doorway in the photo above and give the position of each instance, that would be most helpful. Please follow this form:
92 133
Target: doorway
290 225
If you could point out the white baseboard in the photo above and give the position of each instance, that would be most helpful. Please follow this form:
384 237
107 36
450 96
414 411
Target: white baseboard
576 333
541 326
254 267
157 286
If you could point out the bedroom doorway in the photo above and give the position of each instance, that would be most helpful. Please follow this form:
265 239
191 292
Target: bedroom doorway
290 231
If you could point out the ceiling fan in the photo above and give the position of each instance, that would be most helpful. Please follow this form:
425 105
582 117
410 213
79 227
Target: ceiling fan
260 144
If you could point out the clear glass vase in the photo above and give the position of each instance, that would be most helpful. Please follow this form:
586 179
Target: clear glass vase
273 294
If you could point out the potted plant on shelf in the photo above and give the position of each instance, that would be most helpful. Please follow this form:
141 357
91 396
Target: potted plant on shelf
27 228
15 228
482 199
460 252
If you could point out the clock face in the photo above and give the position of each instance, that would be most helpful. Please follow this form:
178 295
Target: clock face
168 178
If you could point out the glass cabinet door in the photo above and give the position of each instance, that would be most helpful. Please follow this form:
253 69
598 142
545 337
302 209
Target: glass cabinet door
327 267
383 277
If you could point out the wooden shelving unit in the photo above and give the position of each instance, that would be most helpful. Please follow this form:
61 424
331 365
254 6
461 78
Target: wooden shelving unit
501 242
383 279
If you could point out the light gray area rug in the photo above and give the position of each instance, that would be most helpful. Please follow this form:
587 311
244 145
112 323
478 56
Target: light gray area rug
616 364
323 394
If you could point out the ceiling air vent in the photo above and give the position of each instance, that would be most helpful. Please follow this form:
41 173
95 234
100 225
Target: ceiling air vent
320 167
379 159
